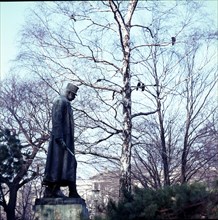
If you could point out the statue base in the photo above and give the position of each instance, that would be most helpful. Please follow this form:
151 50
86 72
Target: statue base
61 208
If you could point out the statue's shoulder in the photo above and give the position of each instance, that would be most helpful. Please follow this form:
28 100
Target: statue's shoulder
60 100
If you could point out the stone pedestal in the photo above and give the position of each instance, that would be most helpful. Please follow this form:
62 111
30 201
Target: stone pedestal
61 209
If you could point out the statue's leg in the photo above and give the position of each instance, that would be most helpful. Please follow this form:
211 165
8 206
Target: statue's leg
72 190
49 190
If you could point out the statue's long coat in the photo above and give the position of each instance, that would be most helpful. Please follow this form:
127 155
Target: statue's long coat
60 164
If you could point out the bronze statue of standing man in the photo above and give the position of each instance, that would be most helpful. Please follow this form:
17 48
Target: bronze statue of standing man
61 163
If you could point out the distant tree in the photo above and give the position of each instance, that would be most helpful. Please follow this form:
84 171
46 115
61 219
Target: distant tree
200 108
14 170
174 143
25 113
26 199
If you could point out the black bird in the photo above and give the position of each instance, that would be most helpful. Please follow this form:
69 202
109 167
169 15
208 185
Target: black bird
138 86
173 40
143 87
72 17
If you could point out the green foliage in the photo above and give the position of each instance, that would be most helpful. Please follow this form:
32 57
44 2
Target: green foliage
212 206
11 158
178 201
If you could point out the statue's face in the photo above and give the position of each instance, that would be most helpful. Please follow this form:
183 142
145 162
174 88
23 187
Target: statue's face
71 96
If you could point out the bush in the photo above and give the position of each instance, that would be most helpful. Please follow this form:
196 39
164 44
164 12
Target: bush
174 202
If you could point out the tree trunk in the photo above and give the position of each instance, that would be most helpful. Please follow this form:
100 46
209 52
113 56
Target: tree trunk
10 209
189 112
164 156
125 179
163 145
124 32
185 152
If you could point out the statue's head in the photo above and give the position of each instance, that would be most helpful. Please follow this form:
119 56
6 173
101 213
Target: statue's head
71 91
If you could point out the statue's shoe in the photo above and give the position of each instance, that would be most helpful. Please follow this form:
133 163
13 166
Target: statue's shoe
58 194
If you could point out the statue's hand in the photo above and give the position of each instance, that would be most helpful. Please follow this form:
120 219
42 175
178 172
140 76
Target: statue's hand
61 143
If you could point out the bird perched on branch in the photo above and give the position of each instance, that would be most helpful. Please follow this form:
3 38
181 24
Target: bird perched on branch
173 40
72 17
143 87
138 86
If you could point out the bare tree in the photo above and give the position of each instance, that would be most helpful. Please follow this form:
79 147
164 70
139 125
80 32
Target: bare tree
24 111
107 48
65 51
198 90
169 70
24 202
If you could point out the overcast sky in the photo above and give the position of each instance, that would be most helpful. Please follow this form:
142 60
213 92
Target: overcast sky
13 17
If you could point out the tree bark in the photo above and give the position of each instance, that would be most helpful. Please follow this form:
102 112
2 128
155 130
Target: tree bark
10 208
161 125
164 149
124 31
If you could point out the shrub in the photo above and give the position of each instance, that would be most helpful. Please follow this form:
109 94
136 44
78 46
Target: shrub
173 202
